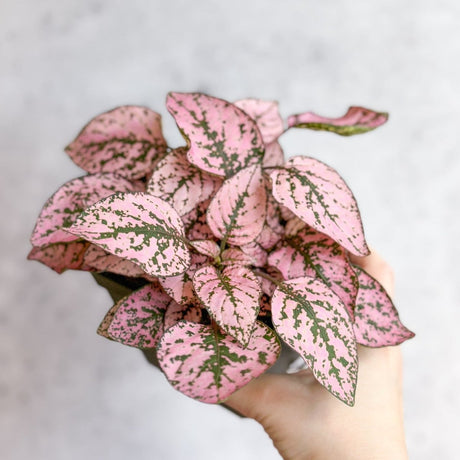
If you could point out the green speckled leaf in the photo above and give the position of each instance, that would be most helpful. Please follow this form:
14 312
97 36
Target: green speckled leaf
314 322
138 227
204 364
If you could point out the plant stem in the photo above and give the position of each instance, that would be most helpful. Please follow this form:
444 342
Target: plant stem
267 277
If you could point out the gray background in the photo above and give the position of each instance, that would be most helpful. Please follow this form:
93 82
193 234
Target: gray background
66 393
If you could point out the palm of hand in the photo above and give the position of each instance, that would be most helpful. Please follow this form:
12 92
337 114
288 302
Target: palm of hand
305 421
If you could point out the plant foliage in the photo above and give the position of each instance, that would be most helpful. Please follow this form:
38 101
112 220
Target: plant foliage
226 233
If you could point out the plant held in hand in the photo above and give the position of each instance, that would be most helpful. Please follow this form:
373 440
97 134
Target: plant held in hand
233 246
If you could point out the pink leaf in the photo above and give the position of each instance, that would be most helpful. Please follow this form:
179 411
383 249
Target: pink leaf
180 287
237 211
273 156
231 297
196 225
187 312
180 183
267 237
272 230
206 247
268 286
313 254
274 216
61 256
256 252
235 256
102 330
61 210
126 140
266 115
222 138
377 322
314 322
140 228
357 120
137 319
206 365
320 197
100 260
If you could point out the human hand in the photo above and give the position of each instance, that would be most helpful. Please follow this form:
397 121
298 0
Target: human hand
305 421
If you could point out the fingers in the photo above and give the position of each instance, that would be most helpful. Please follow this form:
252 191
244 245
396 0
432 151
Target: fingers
248 399
377 268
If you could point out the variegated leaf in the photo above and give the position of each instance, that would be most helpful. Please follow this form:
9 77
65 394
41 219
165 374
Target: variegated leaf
206 247
204 364
61 256
61 210
231 298
138 227
272 230
180 183
267 238
377 322
235 256
192 312
180 287
137 319
314 322
102 261
196 225
313 254
268 286
222 138
238 210
102 330
273 156
320 197
357 120
256 252
126 140
266 115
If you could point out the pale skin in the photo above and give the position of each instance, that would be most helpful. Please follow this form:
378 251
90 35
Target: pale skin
305 422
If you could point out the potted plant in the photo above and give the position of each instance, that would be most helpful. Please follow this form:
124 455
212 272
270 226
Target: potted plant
219 251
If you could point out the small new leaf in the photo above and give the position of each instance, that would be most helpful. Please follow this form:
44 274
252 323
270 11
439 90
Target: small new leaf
208 248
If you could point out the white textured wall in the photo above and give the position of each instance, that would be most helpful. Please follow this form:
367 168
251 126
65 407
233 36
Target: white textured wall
66 393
